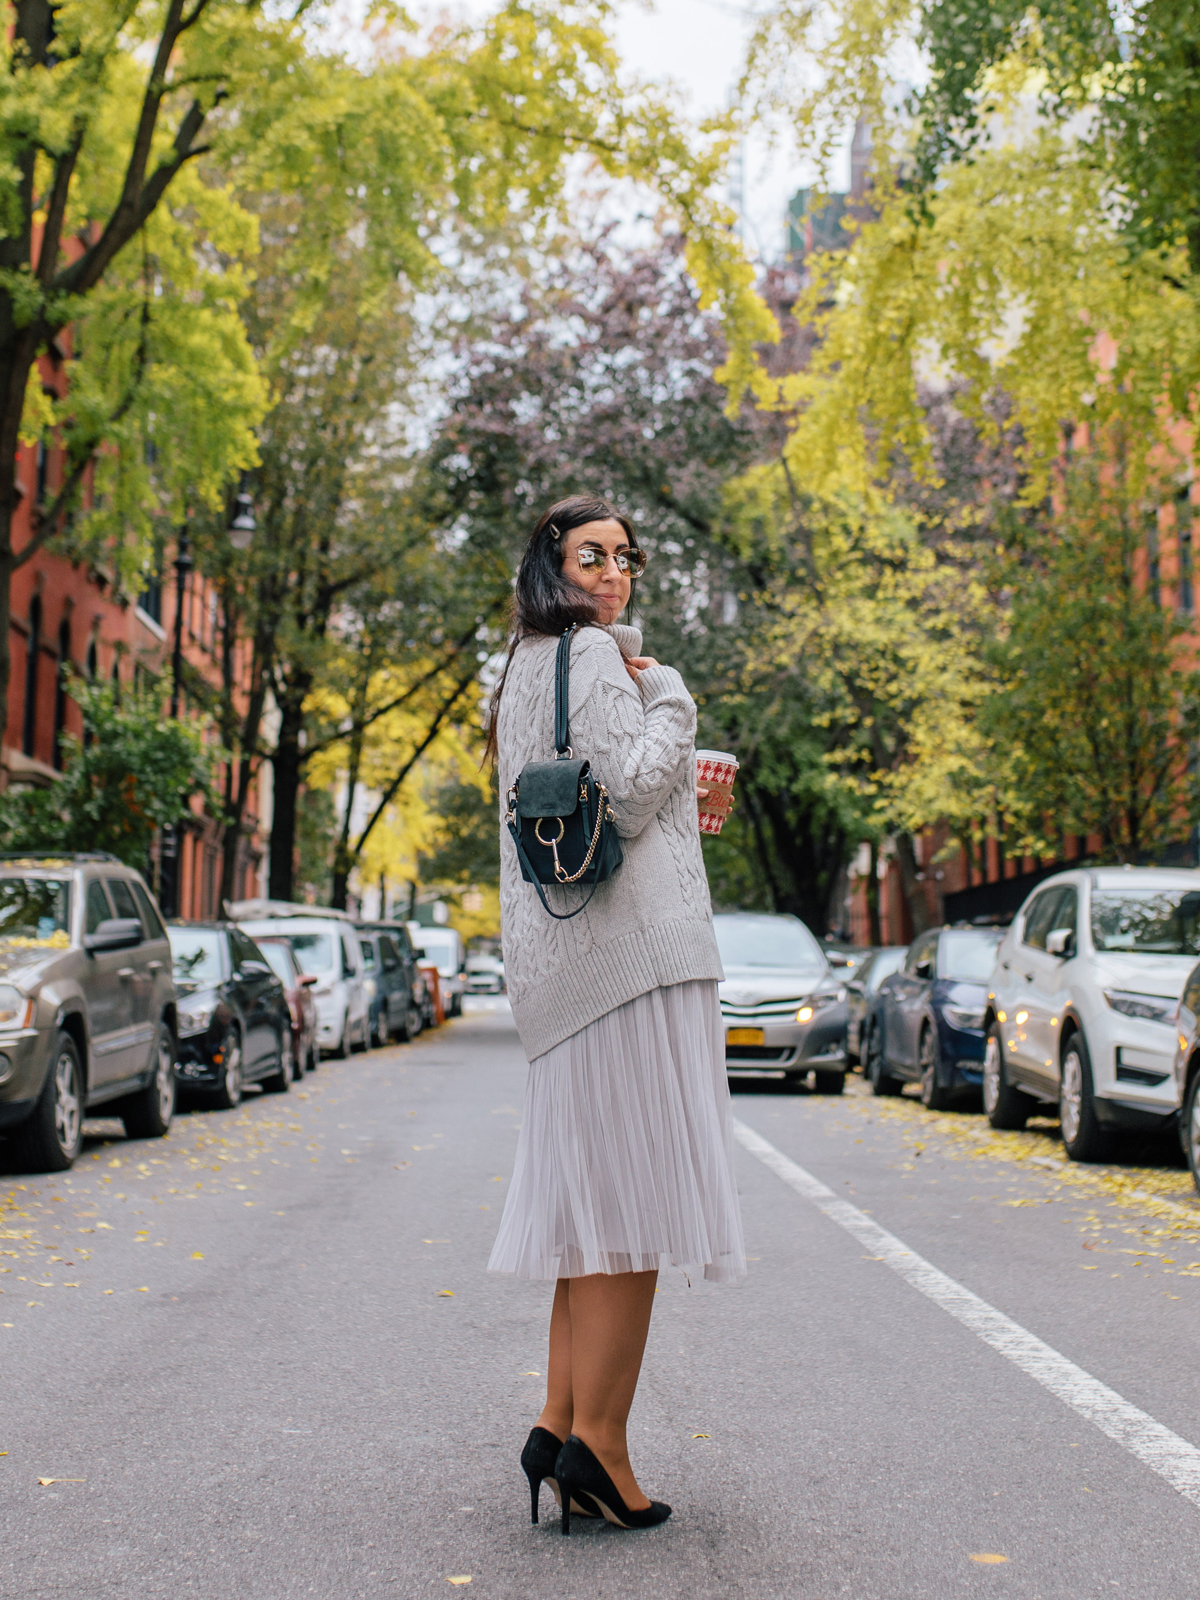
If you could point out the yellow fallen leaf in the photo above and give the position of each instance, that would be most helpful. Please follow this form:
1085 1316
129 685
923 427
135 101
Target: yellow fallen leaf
702 1436
197 1255
449 1292
46 1481
989 1560
531 1374
108 1291
143 1290
107 1225
463 1577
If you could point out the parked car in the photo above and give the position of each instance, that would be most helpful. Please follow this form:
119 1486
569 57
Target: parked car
484 975
297 988
784 1010
930 1016
326 946
393 1010
862 995
235 1027
444 947
87 1006
1083 1003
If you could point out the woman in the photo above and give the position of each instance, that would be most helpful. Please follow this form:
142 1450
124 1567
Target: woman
625 1152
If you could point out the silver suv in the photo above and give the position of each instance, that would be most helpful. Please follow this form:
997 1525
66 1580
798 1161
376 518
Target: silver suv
87 1005
1083 1002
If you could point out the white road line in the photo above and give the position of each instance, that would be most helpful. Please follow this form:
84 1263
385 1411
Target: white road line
1165 1452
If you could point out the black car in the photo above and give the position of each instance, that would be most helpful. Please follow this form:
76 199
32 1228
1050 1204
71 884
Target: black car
234 1024
389 965
930 1016
862 996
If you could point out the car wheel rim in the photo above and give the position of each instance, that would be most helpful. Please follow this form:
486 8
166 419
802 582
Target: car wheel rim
164 1083
1071 1098
67 1108
928 1067
233 1072
991 1074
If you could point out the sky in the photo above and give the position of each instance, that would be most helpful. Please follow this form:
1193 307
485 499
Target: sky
700 45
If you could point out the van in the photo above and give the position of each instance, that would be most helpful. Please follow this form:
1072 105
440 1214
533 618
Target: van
326 946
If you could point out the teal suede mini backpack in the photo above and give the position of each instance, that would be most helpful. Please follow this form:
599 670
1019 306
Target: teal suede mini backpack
559 815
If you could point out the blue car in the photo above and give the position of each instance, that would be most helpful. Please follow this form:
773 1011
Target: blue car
930 1016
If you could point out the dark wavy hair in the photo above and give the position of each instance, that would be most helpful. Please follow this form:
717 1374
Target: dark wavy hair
545 601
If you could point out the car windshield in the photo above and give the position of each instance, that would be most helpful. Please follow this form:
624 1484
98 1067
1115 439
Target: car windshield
767 942
969 957
313 952
440 950
1159 921
276 957
196 954
884 964
34 908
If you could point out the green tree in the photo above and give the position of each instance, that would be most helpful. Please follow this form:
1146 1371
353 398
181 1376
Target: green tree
1096 709
131 775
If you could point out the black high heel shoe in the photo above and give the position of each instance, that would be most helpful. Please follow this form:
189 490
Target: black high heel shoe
537 1462
580 1474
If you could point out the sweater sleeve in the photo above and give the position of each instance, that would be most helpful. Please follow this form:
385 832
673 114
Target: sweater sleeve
639 743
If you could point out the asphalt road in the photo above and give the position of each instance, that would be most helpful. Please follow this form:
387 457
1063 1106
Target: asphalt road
269 1353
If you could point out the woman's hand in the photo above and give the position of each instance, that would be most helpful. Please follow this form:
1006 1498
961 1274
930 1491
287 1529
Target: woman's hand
642 662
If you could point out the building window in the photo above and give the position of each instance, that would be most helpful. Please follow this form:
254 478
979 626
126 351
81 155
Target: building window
33 651
1183 526
93 659
1154 576
60 691
150 599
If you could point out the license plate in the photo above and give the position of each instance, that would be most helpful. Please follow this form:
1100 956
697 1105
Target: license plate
744 1036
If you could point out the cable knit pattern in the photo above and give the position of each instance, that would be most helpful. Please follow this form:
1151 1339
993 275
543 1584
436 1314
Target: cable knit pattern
650 924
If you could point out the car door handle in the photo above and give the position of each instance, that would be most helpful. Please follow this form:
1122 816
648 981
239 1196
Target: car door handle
124 972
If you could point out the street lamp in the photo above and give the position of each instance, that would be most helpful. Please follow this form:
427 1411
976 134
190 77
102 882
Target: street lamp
242 525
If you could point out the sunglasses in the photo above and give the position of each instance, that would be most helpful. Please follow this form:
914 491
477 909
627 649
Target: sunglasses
630 562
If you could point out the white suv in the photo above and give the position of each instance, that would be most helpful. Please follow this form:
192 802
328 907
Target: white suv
1083 998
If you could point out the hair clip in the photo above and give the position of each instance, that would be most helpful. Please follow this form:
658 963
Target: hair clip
554 533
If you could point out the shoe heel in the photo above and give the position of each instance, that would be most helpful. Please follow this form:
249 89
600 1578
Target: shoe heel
566 1490
535 1484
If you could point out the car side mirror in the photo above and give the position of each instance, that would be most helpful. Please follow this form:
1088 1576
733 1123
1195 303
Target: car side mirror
419 954
924 969
307 979
1061 942
114 933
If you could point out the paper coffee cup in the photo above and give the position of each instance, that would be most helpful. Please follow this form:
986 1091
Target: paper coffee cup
715 771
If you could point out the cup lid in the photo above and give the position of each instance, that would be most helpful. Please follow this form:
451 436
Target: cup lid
717 755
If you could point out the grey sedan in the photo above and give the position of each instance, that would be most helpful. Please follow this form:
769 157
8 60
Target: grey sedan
784 1011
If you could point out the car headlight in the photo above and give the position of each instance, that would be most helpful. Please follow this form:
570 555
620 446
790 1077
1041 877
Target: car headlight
819 1002
197 1017
964 1017
16 1009
369 988
1147 1007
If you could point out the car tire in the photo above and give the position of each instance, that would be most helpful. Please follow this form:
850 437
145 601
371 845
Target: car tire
229 1090
934 1095
281 1082
297 1065
379 1033
1006 1108
314 1057
882 1081
51 1137
147 1114
1189 1128
1084 1136
829 1082
342 1048
412 1024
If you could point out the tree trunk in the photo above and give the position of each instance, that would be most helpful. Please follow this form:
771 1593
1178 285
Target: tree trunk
288 765
914 897
874 928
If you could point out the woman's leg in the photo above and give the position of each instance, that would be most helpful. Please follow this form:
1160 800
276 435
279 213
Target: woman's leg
558 1414
609 1321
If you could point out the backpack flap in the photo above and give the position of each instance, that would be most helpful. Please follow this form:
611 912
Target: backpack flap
550 788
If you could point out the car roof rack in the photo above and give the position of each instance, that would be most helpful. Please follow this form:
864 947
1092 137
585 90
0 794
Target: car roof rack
60 855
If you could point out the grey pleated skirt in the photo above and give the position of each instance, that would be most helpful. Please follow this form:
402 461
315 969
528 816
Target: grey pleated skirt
625 1156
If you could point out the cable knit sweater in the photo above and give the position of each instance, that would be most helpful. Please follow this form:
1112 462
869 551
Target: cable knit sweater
650 924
